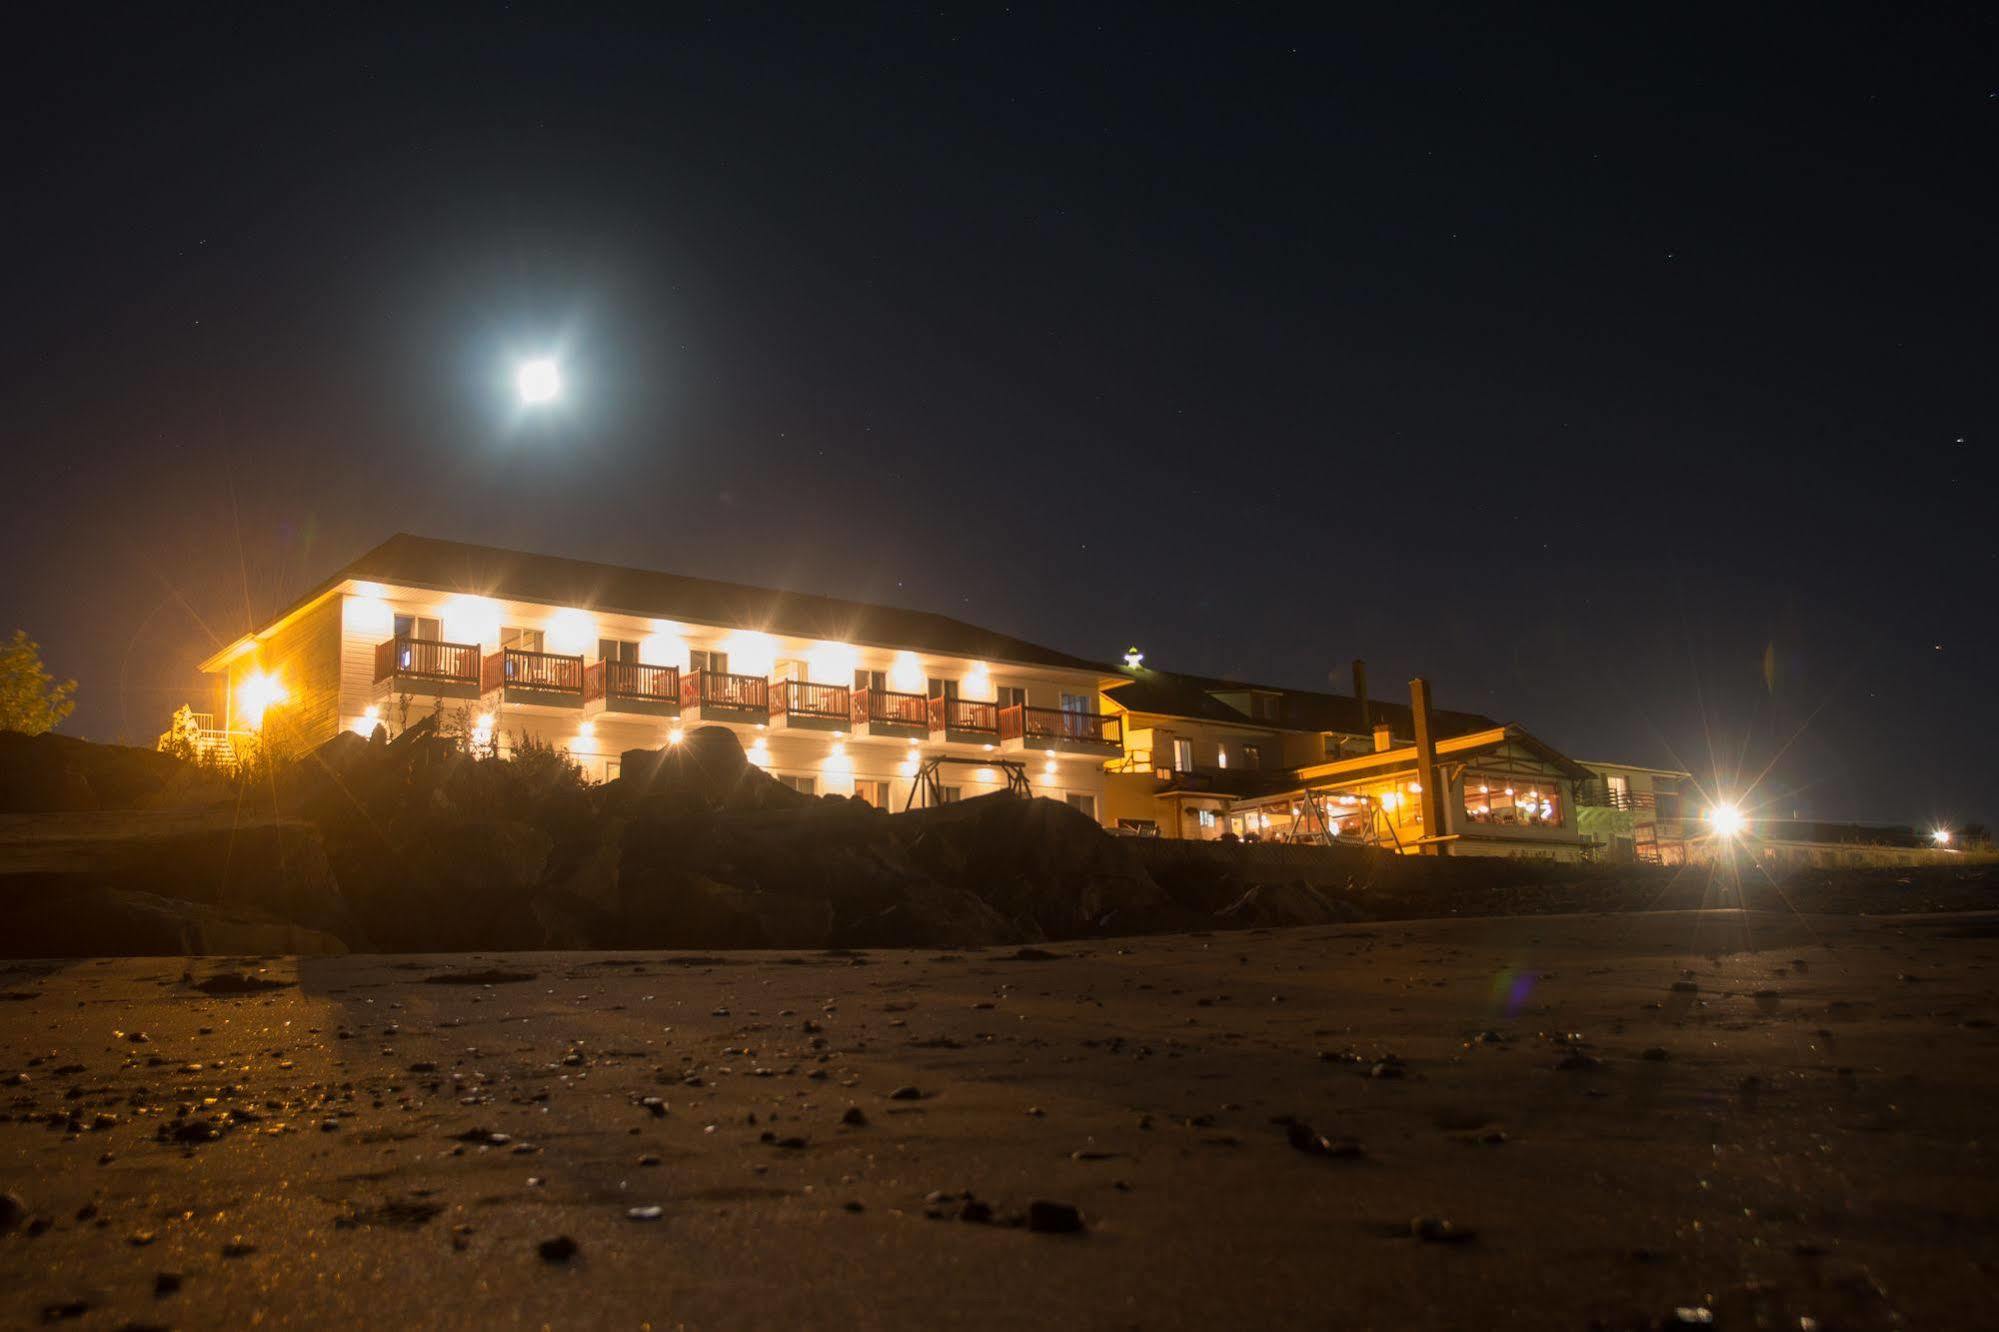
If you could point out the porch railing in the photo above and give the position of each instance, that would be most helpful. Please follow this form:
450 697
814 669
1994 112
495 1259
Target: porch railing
964 714
517 668
716 689
1021 722
424 659
631 679
889 708
803 699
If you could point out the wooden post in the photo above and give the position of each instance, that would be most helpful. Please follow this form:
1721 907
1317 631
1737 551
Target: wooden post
1426 769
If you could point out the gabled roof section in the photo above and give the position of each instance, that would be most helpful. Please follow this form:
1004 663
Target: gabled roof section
457 567
1459 747
1171 694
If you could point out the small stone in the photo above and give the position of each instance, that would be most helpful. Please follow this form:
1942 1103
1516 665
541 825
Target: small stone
558 1250
166 1283
976 1211
650 1212
12 1211
855 1117
905 1094
648 1160
1657 1054
1438 1230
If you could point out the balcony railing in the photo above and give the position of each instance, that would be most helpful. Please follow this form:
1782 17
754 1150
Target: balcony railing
714 689
1021 722
802 699
964 714
882 707
1595 795
634 680
423 659
549 672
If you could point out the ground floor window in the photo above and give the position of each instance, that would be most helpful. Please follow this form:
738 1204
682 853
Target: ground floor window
872 791
802 785
1086 803
1205 817
947 795
1512 801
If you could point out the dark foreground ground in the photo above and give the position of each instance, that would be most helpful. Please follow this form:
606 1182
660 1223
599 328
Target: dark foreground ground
1617 1121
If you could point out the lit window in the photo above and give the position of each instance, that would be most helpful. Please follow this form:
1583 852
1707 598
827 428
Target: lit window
1183 756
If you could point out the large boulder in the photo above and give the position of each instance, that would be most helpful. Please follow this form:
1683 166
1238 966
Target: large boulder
52 773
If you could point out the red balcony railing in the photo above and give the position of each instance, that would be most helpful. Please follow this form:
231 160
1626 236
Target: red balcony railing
799 698
518 669
610 680
964 714
751 693
422 659
889 709
1033 724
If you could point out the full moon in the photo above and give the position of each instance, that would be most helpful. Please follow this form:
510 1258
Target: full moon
538 381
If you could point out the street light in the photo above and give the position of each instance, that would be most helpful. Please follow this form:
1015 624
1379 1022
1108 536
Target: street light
1727 820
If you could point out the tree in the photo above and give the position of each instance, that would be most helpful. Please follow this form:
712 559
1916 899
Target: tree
30 700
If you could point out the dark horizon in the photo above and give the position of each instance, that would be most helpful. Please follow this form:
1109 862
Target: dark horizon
1629 378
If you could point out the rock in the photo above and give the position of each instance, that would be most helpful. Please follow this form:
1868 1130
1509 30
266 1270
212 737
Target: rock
905 1094
855 1117
12 1211
1053 1218
559 1249
650 1212
1439 1230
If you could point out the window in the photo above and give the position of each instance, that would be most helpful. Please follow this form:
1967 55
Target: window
1620 791
1205 817
802 785
420 627
1252 757
1665 798
717 662
1011 696
943 688
947 795
521 640
615 649
1264 705
1077 703
877 680
1519 802
1183 755
1221 755
1086 804
1139 827
873 792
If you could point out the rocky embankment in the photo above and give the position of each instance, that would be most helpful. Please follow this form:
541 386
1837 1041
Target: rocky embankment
411 846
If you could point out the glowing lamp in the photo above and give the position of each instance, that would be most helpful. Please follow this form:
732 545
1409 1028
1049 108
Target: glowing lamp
1726 820
538 381
256 695
673 736
1941 837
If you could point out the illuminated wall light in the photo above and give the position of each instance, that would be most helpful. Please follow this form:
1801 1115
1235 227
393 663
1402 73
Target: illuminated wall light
1415 788
831 663
572 633
985 774
905 674
760 753
664 646
750 652
467 619
257 695
674 736
367 614
977 685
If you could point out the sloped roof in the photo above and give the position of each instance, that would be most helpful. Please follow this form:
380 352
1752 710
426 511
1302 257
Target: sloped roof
452 566
1171 694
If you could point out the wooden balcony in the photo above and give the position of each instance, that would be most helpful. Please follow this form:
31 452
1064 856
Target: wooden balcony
1061 731
796 705
518 677
964 721
712 696
883 713
632 687
406 665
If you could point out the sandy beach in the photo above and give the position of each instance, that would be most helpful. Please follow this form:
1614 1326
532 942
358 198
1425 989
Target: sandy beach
1562 1121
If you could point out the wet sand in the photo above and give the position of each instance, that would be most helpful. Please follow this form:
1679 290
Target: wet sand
1606 1118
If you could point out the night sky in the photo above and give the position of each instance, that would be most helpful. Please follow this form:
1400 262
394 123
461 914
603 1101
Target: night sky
1631 376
